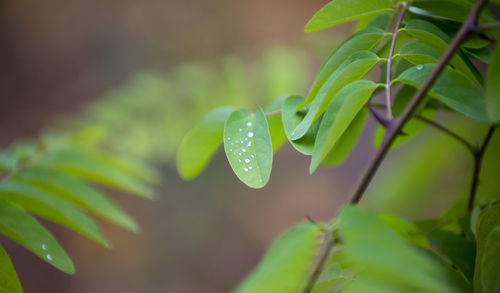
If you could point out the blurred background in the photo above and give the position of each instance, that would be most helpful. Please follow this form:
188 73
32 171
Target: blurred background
146 72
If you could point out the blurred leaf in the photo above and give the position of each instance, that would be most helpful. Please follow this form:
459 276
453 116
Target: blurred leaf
353 69
84 164
21 227
51 207
248 147
363 40
71 188
344 146
340 113
287 264
456 249
339 11
493 87
274 120
451 88
10 282
456 10
329 277
201 142
486 276
373 248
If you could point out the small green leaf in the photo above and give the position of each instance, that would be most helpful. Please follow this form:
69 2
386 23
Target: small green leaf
363 40
52 208
83 164
418 53
70 188
348 140
287 264
291 119
339 11
486 276
493 87
21 227
248 147
353 69
10 282
456 249
200 143
451 88
339 115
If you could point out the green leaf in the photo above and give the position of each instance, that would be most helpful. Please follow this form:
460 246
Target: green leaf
287 264
486 276
76 191
363 40
329 277
21 227
10 283
51 207
248 147
339 115
353 69
339 11
347 141
387 260
83 164
274 120
291 119
418 53
456 249
199 145
452 88
493 87
456 10
432 36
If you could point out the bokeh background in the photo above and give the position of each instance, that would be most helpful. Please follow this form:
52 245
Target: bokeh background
147 71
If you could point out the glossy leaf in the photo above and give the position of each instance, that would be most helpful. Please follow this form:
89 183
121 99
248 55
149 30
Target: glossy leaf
291 119
9 282
52 208
486 277
339 11
248 147
340 113
287 264
363 40
344 146
493 87
21 227
72 189
388 260
452 88
353 69
199 145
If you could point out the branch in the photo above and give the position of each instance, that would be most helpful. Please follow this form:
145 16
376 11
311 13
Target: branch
327 246
388 96
465 31
478 160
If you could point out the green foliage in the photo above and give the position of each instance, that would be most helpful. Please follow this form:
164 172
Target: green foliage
53 179
456 249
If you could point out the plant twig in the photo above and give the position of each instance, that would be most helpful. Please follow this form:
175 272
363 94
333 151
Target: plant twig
327 246
478 160
388 95
447 131
463 34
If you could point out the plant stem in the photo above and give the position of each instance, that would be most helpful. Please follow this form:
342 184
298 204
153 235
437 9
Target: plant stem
465 31
327 244
388 95
478 160
447 131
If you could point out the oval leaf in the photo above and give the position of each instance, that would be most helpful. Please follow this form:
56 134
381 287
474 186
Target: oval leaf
248 147
286 265
339 11
200 143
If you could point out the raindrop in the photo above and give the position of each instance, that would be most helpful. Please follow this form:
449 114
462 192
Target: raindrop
239 129
230 150
239 154
249 167
249 124
250 134
239 160
247 161
252 156
241 141
420 66
246 138
49 257
228 138
249 143
246 169
243 150
44 247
